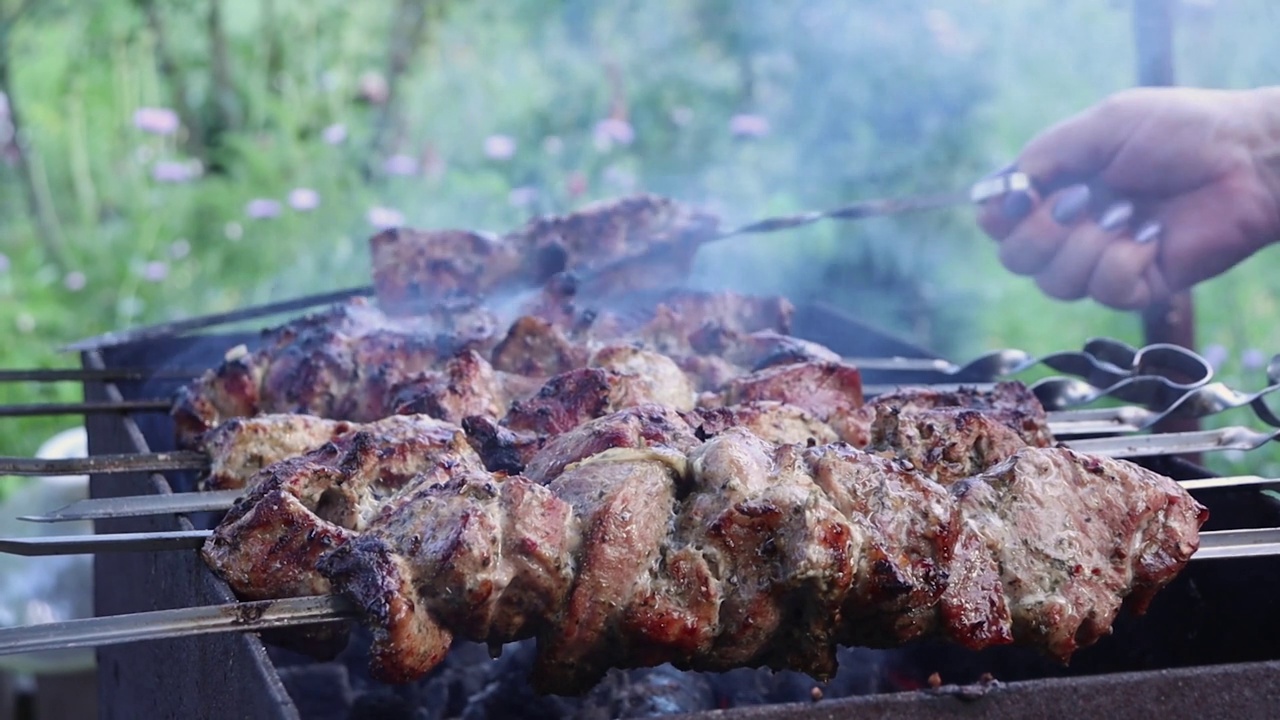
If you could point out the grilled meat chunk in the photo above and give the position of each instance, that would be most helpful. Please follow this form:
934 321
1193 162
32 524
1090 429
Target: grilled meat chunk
769 420
1010 403
338 364
241 447
831 391
947 444
267 544
1067 538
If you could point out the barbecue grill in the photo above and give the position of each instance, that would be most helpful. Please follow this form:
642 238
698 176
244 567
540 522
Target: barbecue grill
1210 643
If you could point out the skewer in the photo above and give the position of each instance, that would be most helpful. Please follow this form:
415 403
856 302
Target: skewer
1214 544
140 505
1121 446
83 408
268 614
1061 424
111 542
181 622
102 464
220 500
178 327
90 374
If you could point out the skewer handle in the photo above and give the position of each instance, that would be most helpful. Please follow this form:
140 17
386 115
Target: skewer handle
160 624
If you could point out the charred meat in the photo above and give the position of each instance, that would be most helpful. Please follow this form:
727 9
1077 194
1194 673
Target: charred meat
634 243
639 538
355 363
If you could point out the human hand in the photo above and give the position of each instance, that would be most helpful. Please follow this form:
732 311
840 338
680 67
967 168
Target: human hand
1144 195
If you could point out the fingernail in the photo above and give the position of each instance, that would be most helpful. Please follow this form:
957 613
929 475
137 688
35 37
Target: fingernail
1071 204
1116 216
1149 231
1016 205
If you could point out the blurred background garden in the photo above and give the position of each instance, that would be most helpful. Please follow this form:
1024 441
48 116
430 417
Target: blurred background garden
181 157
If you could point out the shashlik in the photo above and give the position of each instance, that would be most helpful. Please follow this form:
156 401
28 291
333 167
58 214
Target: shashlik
618 239
355 363
640 538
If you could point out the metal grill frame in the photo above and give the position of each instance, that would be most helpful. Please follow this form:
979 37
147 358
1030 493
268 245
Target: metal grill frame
232 675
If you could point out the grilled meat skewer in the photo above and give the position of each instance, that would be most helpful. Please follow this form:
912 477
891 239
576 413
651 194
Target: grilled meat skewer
355 363
638 242
630 542
780 404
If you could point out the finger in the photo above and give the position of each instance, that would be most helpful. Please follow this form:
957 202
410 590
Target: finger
1209 230
1067 275
1035 241
1119 276
1081 146
998 217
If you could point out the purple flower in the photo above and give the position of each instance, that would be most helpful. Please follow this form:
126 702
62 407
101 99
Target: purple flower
304 199
1216 355
262 208
383 218
1253 359
499 147
179 249
335 134
552 145
75 281
400 164
681 115
155 271
749 126
522 196
373 88
176 171
156 120
4 263
610 131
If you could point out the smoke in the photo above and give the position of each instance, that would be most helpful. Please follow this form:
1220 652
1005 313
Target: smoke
750 107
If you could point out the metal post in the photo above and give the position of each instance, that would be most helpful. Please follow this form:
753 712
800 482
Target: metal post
1172 321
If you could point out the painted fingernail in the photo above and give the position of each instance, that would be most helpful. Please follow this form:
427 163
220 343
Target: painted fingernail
1149 231
1116 216
1071 204
1016 205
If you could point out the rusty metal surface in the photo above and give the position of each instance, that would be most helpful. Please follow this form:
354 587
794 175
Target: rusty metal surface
1200 693
223 676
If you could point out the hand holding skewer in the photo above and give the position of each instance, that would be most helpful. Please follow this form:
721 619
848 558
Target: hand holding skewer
1145 194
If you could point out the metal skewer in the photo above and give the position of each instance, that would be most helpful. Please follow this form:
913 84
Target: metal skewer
100 464
82 408
91 374
1131 446
110 542
182 622
268 614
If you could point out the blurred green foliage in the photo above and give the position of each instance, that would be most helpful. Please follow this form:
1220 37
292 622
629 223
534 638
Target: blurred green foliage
864 99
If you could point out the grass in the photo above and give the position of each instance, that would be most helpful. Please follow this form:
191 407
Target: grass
983 76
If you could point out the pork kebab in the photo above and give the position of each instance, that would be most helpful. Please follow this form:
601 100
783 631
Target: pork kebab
642 537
